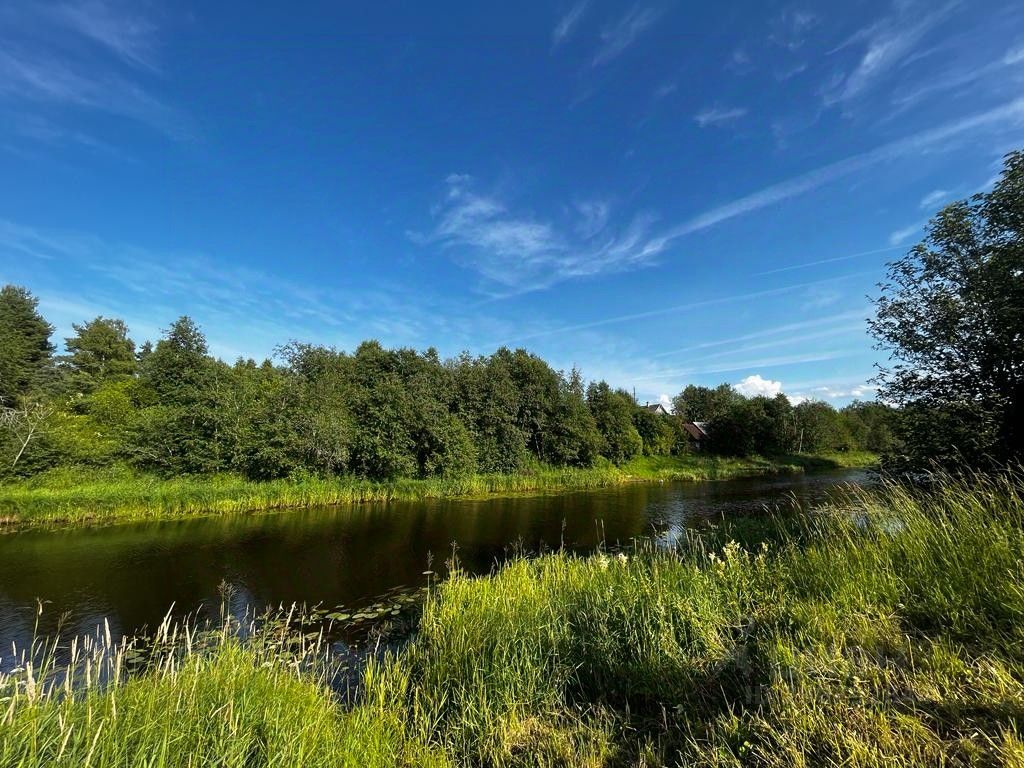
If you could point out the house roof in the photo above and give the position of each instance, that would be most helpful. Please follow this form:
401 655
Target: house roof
696 429
655 408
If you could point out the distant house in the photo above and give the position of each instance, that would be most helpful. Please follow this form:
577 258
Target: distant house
698 433
656 408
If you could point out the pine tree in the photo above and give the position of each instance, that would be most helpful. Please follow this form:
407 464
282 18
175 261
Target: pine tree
26 354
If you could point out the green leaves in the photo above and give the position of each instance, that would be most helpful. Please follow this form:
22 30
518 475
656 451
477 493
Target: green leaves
100 350
951 315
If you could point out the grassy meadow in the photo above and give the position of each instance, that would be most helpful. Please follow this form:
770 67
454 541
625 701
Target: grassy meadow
84 495
885 630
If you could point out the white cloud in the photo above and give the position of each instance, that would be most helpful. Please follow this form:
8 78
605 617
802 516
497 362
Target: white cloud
739 61
786 73
798 339
1006 115
57 72
803 325
716 115
740 365
243 310
665 89
617 37
819 297
131 38
856 388
886 44
901 236
832 260
836 393
567 23
933 198
958 78
524 252
755 384
645 315
758 386
665 401
790 28
593 217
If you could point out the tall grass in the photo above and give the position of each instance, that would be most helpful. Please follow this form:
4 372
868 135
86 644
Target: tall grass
79 495
195 697
884 630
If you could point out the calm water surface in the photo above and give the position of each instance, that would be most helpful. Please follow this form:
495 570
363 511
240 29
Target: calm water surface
132 574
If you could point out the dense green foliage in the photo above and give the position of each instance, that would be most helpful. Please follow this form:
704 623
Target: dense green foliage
952 317
883 631
25 348
171 408
770 426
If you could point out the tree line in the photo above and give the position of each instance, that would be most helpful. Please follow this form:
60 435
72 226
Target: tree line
950 316
173 408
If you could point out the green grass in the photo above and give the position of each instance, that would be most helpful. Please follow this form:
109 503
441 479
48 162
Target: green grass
201 701
87 495
697 467
885 630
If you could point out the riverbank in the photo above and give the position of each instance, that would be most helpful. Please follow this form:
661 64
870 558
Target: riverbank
82 496
885 630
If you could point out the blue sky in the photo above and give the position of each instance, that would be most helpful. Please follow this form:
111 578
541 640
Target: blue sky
660 193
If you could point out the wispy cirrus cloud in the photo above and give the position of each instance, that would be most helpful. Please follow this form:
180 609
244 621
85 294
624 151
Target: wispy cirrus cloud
44 131
665 89
933 198
902 235
1006 115
830 260
753 363
739 61
787 330
799 339
31 78
718 115
84 56
523 251
791 27
244 310
568 23
129 36
886 44
999 71
669 310
621 34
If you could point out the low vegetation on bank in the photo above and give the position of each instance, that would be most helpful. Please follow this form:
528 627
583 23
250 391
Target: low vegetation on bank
885 630
72 496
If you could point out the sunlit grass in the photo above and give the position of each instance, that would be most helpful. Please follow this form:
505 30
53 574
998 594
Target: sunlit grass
884 630
76 495
199 698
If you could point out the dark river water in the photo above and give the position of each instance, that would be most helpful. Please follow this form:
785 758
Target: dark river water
132 574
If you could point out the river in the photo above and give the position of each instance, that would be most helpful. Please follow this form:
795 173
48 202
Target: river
131 574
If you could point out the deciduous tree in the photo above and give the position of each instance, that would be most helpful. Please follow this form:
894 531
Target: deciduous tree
951 317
